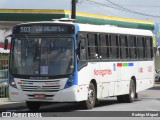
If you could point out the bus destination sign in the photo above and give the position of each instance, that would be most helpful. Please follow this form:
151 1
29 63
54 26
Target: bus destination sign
43 29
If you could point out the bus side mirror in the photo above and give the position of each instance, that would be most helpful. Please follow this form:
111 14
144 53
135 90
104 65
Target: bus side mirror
6 44
82 44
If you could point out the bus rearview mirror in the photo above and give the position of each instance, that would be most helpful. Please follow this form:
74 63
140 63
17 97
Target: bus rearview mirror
6 44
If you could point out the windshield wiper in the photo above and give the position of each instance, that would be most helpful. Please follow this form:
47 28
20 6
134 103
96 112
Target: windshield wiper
51 46
29 43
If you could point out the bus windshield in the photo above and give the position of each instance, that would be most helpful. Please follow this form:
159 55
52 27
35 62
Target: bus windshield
40 56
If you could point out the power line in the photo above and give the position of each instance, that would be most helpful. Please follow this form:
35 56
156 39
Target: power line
119 7
131 10
140 6
97 6
96 3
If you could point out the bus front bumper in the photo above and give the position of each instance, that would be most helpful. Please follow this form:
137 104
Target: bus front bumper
72 94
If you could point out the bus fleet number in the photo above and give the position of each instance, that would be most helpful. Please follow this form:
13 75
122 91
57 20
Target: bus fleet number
25 29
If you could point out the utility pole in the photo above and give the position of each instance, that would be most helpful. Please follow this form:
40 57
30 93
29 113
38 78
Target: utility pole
73 10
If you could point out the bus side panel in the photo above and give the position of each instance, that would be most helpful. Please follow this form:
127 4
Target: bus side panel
146 75
105 89
127 71
85 75
108 76
121 88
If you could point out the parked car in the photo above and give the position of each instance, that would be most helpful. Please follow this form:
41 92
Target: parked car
157 75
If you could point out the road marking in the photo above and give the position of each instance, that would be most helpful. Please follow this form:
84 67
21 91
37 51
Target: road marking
20 110
150 109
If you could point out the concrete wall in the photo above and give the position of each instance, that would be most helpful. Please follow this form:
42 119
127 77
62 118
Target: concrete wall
6 29
157 61
3 33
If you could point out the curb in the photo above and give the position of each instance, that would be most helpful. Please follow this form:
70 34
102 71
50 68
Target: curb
6 104
10 106
6 101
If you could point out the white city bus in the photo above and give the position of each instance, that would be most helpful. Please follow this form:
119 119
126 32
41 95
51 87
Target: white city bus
70 62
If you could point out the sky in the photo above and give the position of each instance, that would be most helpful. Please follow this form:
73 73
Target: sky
138 9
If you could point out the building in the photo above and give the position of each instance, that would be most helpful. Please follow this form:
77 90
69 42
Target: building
10 17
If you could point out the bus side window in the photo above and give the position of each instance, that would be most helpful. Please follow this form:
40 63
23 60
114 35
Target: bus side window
140 47
144 47
81 47
104 46
124 46
132 47
114 49
92 46
149 47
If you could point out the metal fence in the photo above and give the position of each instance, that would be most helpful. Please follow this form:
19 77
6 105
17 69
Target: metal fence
4 64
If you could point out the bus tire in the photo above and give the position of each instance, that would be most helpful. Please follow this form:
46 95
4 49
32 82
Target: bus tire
136 95
132 92
121 98
33 106
91 101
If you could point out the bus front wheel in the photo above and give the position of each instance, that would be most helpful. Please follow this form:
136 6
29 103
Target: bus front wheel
33 106
90 102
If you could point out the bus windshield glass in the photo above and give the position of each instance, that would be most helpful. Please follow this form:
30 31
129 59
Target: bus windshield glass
40 56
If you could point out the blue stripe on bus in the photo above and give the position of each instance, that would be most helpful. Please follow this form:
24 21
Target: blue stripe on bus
130 64
75 74
76 64
30 83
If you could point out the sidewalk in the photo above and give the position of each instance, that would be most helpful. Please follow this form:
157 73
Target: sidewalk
5 101
6 104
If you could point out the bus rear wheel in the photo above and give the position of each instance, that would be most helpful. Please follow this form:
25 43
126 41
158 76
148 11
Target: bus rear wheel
132 92
90 102
121 98
33 106
129 98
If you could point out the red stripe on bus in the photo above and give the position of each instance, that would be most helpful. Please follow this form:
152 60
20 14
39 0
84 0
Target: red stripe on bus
119 64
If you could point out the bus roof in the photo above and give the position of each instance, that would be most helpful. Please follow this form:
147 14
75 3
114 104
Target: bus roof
114 29
98 28
45 22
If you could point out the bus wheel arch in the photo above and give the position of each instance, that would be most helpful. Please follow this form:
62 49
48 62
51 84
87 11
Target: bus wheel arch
134 79
132 92
92 96
129 98
95 85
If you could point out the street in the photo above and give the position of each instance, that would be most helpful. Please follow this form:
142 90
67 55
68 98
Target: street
148 100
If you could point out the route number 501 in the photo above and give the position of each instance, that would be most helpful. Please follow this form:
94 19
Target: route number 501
25 29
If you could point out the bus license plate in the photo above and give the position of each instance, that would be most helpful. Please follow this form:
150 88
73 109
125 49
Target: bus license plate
39 96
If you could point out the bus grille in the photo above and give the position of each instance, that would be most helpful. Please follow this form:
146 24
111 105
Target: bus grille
43 88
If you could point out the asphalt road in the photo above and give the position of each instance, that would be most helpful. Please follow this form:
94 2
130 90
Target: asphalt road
148 101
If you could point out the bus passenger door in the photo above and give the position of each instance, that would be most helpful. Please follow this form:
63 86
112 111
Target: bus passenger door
88 62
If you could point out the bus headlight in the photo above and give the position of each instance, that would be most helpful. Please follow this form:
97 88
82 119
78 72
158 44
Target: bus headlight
12 82
69 82
71 78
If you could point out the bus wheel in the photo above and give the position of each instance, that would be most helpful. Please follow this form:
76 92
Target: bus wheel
121 98
90 103
33 106
132 92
